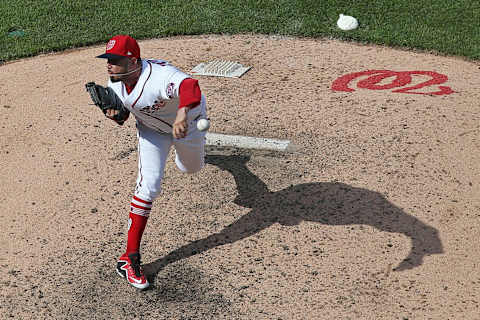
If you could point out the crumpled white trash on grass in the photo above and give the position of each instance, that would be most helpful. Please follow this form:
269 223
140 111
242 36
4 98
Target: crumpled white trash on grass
347 23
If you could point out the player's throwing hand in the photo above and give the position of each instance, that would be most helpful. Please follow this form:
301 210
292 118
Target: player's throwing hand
180 126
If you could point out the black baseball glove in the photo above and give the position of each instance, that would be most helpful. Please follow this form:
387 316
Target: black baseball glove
105 98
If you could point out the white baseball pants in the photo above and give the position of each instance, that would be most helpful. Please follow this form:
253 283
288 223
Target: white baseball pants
153 150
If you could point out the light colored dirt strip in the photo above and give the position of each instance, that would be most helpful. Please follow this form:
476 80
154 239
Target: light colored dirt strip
242 142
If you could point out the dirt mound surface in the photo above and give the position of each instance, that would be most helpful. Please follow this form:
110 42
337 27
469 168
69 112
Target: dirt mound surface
374 216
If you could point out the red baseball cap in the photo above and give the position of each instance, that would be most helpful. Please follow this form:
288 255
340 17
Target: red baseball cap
121 46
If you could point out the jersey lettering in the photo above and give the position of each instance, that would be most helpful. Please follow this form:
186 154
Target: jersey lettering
158 104
154 100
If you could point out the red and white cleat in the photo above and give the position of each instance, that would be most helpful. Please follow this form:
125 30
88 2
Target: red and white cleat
129 267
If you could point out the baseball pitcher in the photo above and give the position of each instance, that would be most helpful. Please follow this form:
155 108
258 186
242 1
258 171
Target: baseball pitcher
166 104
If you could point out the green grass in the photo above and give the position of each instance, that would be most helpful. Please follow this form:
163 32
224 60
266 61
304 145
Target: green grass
450 27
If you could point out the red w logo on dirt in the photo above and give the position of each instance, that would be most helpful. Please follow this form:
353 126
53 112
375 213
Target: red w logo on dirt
402 78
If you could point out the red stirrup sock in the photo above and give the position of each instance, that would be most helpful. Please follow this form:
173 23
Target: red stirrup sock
138 217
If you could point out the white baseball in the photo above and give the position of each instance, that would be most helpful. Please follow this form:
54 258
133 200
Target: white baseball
203 124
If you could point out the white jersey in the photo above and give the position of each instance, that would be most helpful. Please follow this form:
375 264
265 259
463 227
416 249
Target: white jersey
154 100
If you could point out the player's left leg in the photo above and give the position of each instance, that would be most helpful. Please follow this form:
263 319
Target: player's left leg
153 149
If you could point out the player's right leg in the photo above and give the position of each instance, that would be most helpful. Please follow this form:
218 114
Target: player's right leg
190 151
153 151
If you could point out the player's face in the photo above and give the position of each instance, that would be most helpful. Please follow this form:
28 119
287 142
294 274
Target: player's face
117 66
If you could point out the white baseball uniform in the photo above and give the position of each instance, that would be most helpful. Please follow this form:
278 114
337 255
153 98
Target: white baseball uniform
154 101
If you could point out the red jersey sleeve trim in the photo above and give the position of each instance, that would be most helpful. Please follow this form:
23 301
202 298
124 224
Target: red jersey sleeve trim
190 94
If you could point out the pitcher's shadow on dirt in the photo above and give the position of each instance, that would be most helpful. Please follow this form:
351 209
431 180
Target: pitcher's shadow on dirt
329 203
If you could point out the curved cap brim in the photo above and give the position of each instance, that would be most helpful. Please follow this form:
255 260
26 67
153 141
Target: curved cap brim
110 56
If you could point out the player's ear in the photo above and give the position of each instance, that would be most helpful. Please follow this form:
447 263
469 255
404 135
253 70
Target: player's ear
130 61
